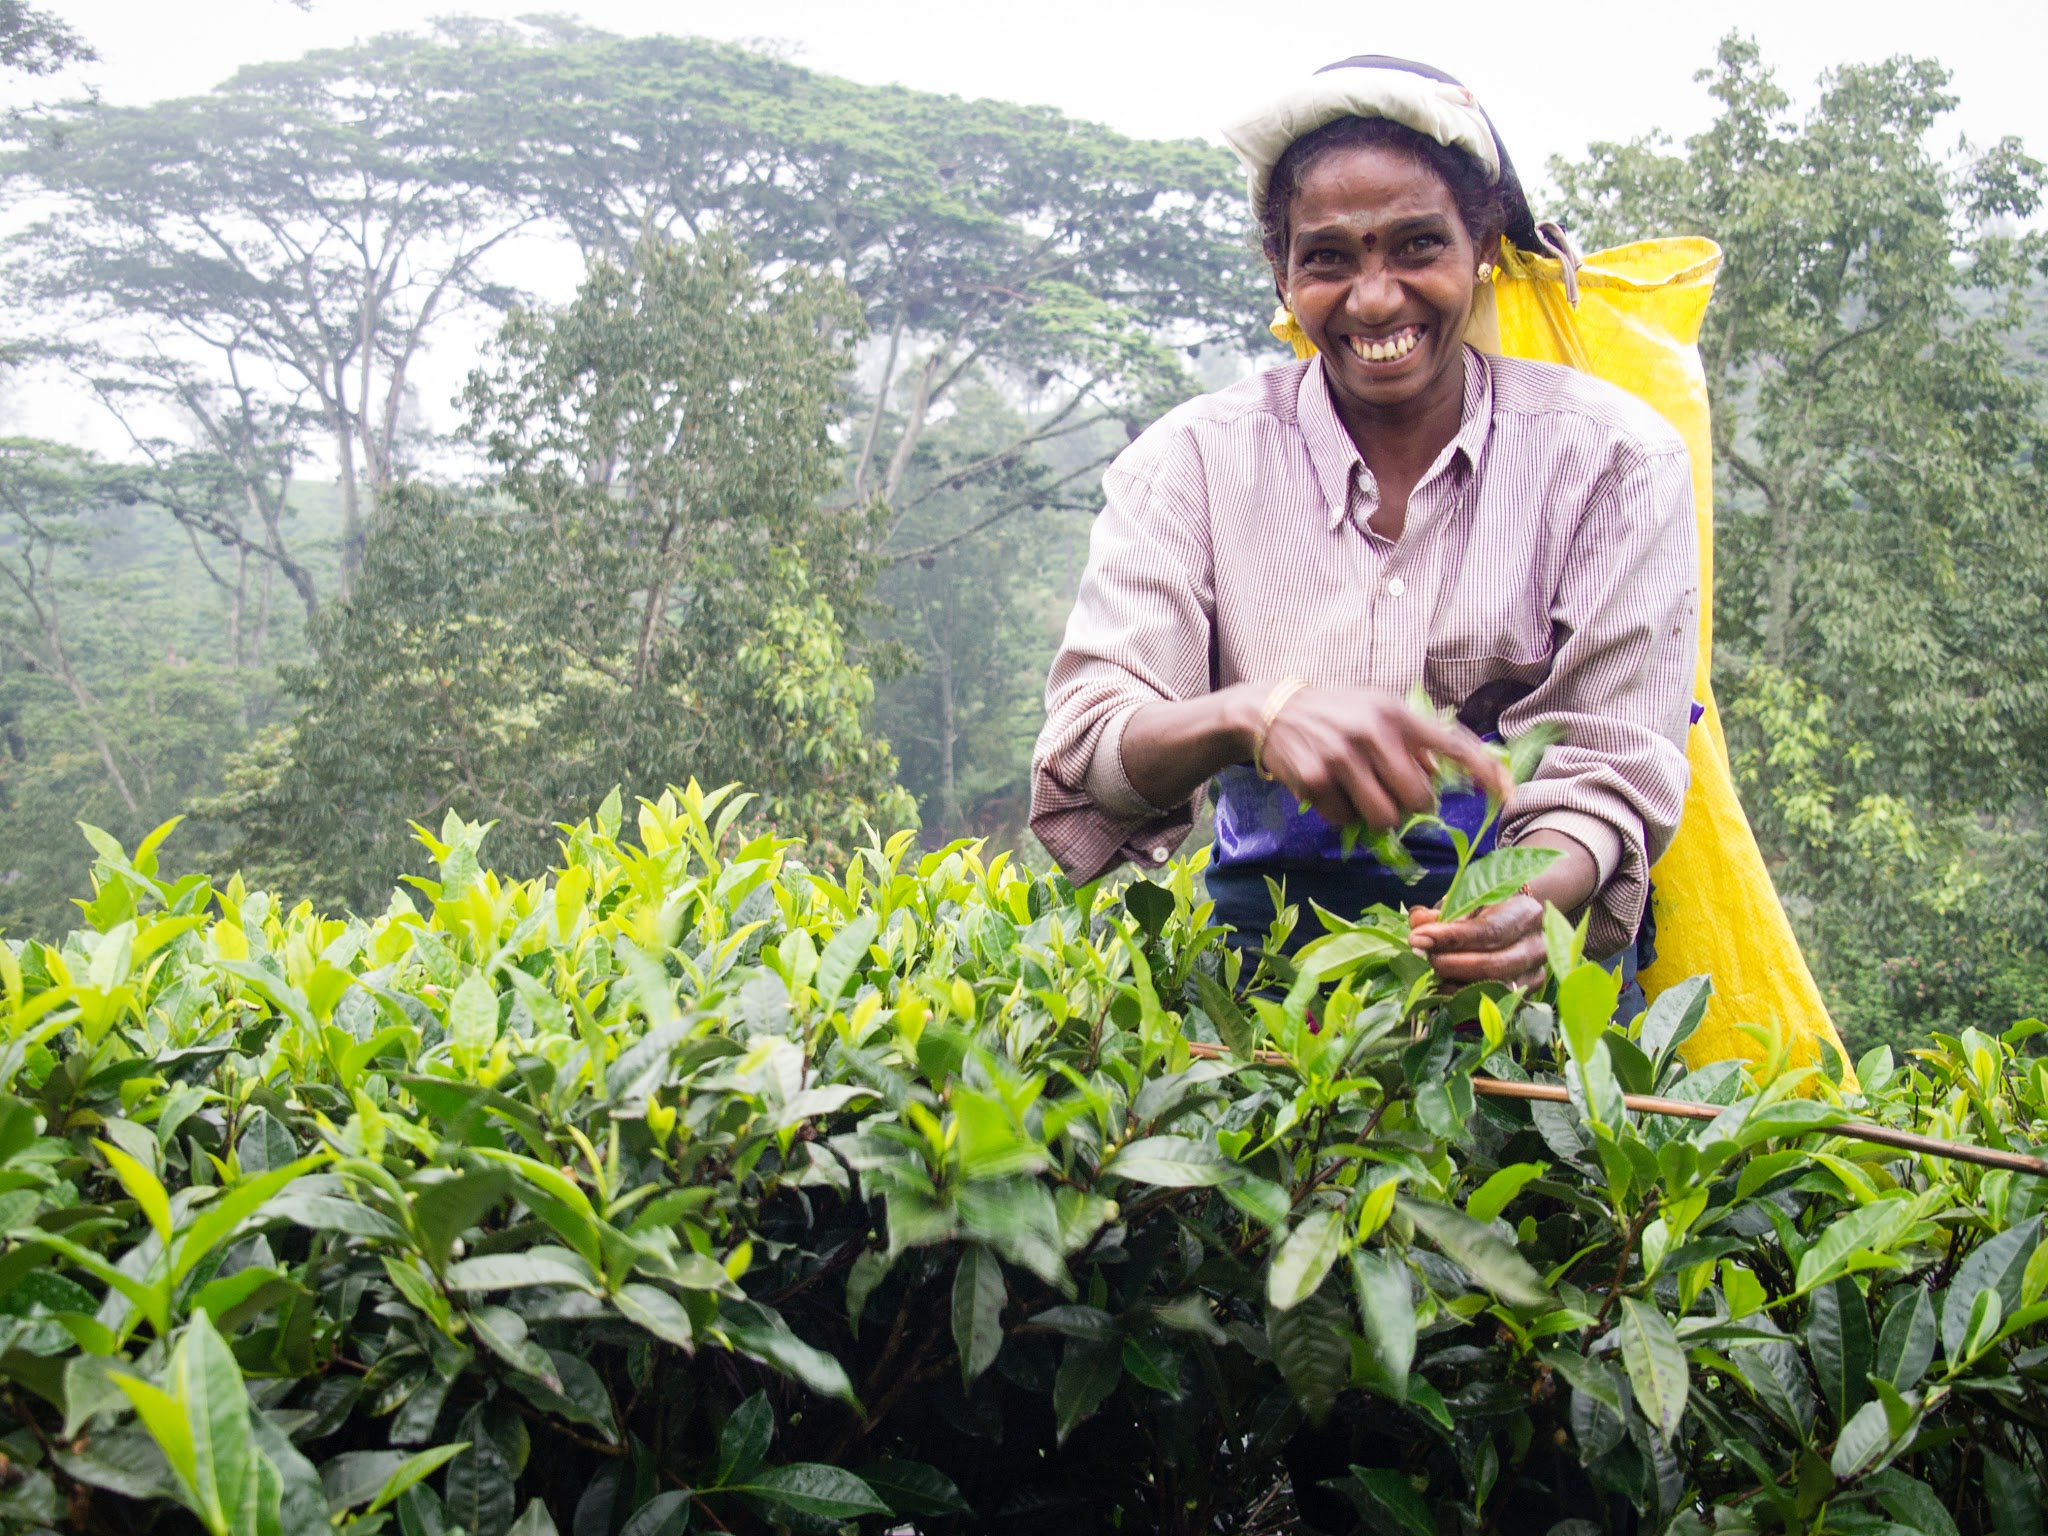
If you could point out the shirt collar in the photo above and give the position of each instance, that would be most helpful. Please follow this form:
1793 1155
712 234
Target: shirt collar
1334 458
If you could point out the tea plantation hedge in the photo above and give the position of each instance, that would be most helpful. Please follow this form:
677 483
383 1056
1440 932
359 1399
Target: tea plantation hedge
690 1189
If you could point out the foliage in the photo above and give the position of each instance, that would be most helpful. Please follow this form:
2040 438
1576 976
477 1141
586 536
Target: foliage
977 599
656 585
118 692
1878 475
686 1187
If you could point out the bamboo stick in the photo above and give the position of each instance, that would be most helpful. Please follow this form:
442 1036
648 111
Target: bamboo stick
1650 1104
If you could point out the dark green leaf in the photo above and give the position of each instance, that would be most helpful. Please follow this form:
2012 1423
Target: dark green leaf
2014 1497
1089 1371
1305 1258
1673 1016
1839 1344
743 1442
1387 1500
978 1296
1230 1020
1905 1345
1999 1263
666 1514
910 1488
478 1485
811 1488
1172 1161
1309 1346
1481 1252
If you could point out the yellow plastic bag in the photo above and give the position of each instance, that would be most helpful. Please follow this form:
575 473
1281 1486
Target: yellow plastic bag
1636 324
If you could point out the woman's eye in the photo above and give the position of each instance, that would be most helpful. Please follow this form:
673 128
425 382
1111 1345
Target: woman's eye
1425 245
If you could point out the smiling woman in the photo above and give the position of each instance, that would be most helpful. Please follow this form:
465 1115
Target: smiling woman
1280 564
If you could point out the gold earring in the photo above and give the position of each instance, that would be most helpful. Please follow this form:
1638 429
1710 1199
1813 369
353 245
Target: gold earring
1485 271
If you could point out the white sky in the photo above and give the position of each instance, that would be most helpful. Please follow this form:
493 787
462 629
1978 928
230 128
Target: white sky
1554 77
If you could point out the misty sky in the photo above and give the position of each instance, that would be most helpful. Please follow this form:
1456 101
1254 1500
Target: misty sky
1553 77
1146 67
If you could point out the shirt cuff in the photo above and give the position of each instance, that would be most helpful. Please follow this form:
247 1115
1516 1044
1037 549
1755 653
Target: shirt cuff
1597 837
1106 783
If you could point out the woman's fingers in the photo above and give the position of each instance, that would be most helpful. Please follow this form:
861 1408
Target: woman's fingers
1513 964
1368 793
1495 927
1404 773
1467 751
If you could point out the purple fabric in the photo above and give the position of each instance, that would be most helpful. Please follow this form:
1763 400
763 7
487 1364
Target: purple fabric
1260 822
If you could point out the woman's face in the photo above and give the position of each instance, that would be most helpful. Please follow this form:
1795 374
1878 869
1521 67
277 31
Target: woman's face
1380 274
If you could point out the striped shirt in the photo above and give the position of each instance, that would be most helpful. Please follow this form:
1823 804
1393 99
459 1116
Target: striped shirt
1550 545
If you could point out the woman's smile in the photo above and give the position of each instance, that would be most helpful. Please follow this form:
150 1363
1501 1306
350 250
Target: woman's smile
1380 273
1389 350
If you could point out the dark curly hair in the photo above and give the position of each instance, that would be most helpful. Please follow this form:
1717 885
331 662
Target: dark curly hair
1481 205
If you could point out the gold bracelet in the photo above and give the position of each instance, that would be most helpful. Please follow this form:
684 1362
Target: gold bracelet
1277 700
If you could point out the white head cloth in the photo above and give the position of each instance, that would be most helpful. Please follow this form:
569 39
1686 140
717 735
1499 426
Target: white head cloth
1445 112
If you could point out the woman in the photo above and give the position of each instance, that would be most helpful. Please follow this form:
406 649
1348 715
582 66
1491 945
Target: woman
1280 563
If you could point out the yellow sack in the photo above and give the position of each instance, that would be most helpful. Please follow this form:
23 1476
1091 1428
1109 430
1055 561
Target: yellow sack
1636 324
1632 316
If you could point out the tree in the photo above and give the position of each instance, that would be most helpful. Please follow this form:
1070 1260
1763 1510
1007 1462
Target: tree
653 590
1880 644
271 257
35 42
978 600
103 716
982 238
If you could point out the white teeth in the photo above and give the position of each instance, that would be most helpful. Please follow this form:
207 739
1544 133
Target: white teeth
1388 350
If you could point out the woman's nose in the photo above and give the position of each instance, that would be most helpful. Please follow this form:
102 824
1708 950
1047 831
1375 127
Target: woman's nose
1376 293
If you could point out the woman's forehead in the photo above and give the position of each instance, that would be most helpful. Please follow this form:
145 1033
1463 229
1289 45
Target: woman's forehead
1369 179
1367 187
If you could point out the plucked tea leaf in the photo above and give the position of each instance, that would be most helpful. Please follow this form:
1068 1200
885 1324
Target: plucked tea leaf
1493 877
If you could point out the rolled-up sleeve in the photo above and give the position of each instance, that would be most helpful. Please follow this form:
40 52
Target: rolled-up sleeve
1626 623
1139 632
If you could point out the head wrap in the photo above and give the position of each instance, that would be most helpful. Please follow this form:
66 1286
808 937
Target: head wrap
1374 85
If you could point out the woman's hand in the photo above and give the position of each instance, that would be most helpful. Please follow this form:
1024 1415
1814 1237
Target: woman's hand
1504 942
1359 754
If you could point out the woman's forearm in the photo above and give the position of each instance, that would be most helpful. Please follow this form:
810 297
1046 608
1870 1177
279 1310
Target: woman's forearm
1172 748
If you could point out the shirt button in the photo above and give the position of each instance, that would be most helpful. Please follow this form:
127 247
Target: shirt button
1395 586
1161 855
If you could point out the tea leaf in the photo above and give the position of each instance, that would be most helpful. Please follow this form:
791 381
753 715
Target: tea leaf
1655 1363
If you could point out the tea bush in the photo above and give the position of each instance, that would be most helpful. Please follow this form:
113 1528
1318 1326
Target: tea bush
690 1189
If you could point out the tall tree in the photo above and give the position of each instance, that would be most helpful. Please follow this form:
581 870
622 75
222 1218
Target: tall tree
112 710
271 255
982 238
1880 643
654 591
